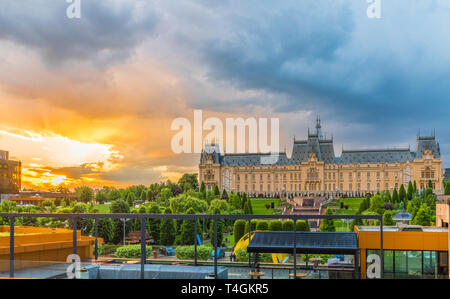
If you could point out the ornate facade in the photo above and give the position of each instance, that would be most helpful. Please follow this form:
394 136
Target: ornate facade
313 169
10 174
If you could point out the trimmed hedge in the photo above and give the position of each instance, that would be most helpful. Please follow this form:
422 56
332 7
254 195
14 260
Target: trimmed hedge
262 225
132 251
288 225
242 256
275 225
238 230
188 252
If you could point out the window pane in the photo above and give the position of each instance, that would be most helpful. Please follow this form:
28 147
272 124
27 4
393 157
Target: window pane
429 263
400 261
415 263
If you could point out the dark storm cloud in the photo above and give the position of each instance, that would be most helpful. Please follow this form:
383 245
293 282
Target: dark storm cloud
389 75
107 31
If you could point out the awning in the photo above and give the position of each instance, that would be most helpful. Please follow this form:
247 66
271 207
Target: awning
307 242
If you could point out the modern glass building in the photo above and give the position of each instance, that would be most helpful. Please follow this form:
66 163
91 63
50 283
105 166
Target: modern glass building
412 252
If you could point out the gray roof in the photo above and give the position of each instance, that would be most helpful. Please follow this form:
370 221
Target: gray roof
307 242
252 159
323 149
376 156
427 142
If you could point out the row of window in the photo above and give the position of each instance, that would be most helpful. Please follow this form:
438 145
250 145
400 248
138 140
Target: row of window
314 175
308 187
413 264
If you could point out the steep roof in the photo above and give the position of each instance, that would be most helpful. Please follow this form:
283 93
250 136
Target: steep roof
375 156
253 159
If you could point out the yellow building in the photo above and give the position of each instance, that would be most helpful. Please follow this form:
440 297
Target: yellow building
313 169
10 174
37 246
412 252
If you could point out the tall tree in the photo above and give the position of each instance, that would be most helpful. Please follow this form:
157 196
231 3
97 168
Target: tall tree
402 194
168 230
327 225
447 188
410 191
120 206
84 194
395 198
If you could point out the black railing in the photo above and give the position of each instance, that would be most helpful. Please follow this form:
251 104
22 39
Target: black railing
143 218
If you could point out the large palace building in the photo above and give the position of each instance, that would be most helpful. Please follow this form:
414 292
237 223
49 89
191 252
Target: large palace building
313 169
10 174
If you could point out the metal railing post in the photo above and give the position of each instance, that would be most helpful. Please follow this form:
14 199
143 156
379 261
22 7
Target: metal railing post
195 241
381 248
11 247
295 248
249 234
215 247
96 240
75 235
143 247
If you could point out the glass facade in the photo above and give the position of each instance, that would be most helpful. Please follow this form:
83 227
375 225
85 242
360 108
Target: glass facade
413 263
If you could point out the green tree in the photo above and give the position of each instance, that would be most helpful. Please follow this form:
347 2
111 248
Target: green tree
447 188
84 194
114 194
168 230
377 204
216 191
275 225
395 198
423 216
387 218
189 181
410 192
239 230
327 225
253 224
220 229
203 188
303 226
155 224
288 225
262 225
430 184
224 195
120 206
188 229
101 196
105 230
402 194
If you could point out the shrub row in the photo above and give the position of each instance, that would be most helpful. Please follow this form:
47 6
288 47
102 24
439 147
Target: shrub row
188 252
132 251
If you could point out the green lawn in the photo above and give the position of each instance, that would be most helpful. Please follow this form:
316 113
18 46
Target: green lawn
104 209
259 205
352 203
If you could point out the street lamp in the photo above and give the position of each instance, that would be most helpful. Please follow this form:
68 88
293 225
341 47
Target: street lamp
124 220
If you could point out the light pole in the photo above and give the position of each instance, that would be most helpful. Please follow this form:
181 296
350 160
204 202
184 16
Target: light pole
124 220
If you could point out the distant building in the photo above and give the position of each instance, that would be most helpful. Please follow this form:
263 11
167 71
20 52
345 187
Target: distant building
314 170
10 174
447 174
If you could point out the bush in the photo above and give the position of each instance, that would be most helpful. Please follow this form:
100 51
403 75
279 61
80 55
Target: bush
254 222
238 230
132 251
288 225
302 226
275 225
242 256
262 225
188 252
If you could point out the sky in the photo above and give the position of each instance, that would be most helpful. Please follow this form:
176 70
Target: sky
90 101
